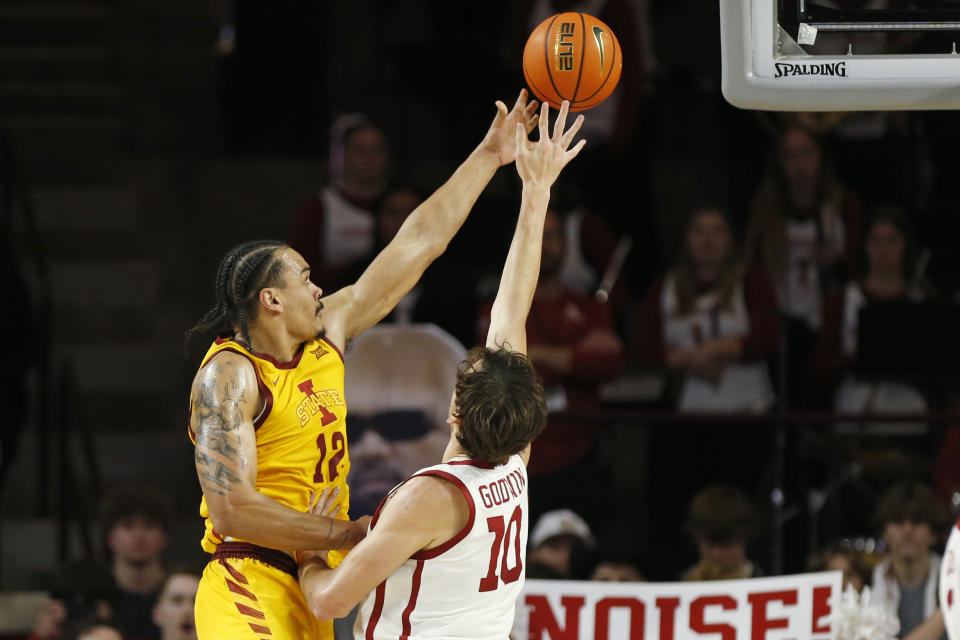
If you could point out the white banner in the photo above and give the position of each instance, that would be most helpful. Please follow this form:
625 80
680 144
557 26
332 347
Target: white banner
796 607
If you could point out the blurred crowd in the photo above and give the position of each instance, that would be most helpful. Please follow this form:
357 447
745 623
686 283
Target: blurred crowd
761 383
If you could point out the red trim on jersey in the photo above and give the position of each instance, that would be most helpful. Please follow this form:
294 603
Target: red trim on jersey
411 605
377 609
334 347
264 390
426 554
292 364
480 464
250 611
259 628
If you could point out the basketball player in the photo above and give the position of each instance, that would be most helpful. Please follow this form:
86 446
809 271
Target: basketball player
267 405
445 552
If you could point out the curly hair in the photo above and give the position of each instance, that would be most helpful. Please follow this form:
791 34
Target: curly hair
499 400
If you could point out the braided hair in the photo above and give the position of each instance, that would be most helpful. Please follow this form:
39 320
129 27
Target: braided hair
243 272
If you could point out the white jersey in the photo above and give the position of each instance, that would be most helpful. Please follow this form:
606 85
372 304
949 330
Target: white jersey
467 587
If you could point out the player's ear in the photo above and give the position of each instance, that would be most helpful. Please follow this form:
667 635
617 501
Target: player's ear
269 299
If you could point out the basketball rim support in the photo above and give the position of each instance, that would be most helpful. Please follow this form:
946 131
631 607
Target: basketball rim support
764 66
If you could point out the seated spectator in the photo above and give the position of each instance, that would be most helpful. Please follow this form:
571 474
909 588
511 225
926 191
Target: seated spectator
712 322
888 276
721 521
173 612
573 346
557 539
80 592
335 227
844 558
616 562
911 519
804 229
135 523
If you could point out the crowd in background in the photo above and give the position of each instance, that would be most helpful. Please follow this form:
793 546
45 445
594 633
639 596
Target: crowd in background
676 351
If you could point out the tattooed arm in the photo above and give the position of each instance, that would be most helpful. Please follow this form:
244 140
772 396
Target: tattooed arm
225 400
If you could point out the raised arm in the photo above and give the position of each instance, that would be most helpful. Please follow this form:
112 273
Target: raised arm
225 398
426 233
538 164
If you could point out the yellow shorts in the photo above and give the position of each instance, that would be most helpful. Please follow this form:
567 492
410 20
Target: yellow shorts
252 592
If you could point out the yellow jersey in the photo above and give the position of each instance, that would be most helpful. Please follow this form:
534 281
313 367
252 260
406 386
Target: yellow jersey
301 430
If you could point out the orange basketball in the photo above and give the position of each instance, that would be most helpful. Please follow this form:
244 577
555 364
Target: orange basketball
572 56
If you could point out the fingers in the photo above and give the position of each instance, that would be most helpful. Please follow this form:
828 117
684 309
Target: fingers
572 153
544 121
561 122
501 113
521 102
530 116
521 136
571 132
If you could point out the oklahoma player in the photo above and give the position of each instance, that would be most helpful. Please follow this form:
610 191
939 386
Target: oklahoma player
444 555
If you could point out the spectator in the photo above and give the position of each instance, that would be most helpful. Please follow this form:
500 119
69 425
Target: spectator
390 211
888 276
842 557
173 612
804 226
80 591
336 226
712 322
911 518
135 522
92 630
574 347
721 521
557 539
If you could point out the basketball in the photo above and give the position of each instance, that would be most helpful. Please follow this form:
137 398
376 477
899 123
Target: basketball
572 56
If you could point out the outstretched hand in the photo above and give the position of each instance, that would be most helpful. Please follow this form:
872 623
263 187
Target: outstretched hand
499 138
539 163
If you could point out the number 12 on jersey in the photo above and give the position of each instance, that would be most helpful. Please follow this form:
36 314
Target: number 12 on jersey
500 550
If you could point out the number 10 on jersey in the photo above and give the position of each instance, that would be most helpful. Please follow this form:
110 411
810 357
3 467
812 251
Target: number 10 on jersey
500 551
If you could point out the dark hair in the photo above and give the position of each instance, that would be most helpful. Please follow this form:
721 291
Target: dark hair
179 569
819 561
895 216
721 514
912 501
684 274
243 272
76 630
128 502
499 400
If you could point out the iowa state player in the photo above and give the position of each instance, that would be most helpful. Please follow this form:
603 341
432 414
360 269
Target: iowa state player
445 552
267 405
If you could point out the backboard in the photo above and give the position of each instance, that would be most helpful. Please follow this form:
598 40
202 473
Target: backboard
771 61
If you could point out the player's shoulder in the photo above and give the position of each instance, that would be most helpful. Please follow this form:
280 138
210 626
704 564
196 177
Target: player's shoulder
225 366
428 492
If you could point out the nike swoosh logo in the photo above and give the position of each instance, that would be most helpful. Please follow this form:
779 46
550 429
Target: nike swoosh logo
598 33
276 380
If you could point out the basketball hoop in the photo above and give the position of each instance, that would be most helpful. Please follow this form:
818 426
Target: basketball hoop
765 65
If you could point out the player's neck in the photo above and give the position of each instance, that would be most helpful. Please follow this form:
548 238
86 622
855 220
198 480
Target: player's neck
142 578
277 344
453 450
